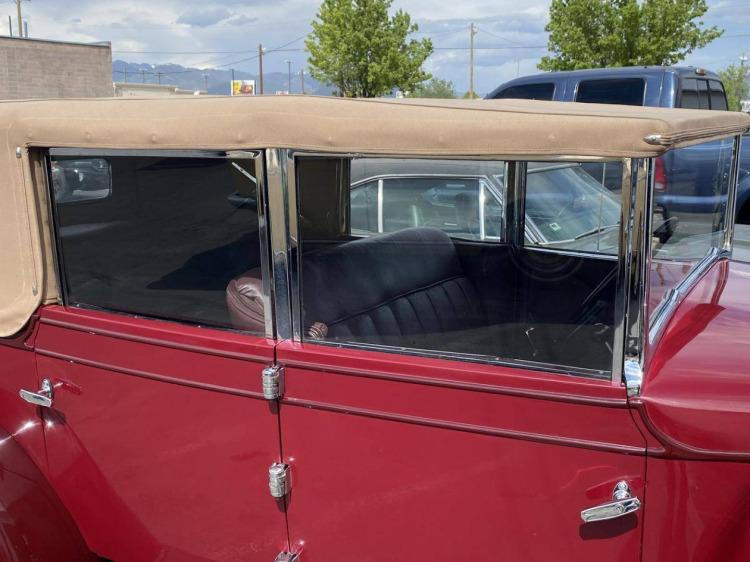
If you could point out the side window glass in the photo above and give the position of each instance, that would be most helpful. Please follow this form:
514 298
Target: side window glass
543 91
436 277
568 208
80 180
364 207
718 97
461 198
691 187
174 238
689 94
623 91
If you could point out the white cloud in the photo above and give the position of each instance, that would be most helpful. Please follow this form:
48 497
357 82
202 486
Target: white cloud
196 27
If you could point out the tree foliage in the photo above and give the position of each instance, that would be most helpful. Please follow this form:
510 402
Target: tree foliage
434 88
602 33
735 79
358 48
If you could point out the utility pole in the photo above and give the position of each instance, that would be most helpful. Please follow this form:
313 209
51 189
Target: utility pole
20 20
143 76
289 75
302 80
472 33
205 80
26 29
260 68
10 26
158 77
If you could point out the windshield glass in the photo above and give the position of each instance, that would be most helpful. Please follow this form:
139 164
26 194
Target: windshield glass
565 203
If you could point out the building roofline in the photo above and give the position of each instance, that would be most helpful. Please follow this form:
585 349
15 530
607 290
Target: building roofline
101 44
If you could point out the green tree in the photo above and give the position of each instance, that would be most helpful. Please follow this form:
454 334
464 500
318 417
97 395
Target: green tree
434 88
735 78
358 48
601 33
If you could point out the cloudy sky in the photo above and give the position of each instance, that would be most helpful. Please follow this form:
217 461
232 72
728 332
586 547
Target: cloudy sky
207 33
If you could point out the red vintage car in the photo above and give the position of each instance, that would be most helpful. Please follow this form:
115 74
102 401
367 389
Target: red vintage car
216 343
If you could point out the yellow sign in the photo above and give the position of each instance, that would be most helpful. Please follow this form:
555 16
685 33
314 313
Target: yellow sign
243 87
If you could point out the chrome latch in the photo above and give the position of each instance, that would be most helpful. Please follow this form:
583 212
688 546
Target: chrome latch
622 503
287 557
279 481
273 382
43 397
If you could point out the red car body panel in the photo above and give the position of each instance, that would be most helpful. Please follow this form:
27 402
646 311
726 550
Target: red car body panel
697 383
402 458
159 441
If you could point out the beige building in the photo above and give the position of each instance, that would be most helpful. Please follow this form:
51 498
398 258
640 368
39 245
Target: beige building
37 68
139 90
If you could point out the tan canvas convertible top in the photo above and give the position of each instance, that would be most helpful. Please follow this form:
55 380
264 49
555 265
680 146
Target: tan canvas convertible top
409 127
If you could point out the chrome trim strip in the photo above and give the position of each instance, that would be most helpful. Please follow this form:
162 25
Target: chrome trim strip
677 294
276 180
293 246
265 247
380 205
732 195
158 153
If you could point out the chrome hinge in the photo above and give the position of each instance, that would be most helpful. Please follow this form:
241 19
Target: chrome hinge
279 479
633 376
273 382
287 557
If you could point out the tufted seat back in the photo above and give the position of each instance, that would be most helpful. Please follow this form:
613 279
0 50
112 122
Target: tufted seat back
382 288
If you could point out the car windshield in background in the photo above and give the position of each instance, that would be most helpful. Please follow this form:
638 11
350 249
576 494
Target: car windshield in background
566 204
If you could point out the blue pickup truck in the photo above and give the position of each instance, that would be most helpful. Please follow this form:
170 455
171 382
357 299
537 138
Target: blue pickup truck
684 87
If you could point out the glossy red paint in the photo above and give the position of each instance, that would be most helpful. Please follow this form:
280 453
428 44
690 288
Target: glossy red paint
408 458
159 441
696 386
34 525
698 511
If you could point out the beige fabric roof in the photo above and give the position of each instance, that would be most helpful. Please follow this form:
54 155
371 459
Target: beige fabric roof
412 127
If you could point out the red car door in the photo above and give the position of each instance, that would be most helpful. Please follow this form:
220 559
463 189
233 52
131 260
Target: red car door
447 396
405 458
159 439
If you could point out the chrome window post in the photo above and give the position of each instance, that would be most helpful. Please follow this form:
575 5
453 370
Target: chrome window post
632 278
278 224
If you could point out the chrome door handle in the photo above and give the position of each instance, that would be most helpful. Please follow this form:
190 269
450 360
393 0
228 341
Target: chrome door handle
622 503
43 397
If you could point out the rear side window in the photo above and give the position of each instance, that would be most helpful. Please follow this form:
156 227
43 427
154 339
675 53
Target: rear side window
543 91
718 97
161 237
702 94
622 91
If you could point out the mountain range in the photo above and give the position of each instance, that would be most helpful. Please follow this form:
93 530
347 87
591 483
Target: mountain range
217 80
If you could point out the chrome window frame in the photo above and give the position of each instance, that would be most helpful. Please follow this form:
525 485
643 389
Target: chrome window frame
256 155
287 270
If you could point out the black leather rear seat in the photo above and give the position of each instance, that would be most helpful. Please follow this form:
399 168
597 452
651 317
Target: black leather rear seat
386 288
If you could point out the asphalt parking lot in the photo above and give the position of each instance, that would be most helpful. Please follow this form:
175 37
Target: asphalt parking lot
741 249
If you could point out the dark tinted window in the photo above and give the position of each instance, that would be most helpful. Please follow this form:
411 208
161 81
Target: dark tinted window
689 95
623 91
718 97
165 241
703 94
544 91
